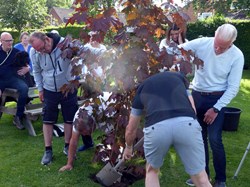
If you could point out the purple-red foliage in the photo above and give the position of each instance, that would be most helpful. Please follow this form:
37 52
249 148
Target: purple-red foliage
132 58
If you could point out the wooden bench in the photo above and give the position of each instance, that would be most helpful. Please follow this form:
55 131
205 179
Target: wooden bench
12 95
32 111
36 109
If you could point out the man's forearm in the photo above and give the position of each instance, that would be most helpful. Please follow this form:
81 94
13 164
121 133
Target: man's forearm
72 152
131 129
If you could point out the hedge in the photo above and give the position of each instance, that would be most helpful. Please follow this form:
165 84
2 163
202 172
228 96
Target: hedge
195 30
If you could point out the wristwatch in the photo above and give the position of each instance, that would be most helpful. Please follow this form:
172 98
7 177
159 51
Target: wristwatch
215 110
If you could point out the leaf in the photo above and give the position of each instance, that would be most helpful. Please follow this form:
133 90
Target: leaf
109 12
179 21
67 53
71 87
159 32
165 59
187 54
121 37
185 16
102 23
76 70
131 16
78 17
185 67
198 62
84 3
142 32
122 121
65 43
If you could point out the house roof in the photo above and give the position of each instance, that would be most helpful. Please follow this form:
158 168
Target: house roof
62 13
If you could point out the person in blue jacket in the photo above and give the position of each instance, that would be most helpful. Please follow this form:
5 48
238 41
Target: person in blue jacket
24 45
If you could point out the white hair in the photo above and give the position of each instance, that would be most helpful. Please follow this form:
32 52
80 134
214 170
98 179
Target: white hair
226 32
54 31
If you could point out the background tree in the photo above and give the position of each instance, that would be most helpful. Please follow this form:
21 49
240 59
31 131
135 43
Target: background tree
221 7
20 14
58 3
242 5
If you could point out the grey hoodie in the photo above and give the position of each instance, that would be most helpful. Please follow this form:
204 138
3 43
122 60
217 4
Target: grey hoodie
50 71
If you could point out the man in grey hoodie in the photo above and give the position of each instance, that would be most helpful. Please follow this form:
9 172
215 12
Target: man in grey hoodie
51 72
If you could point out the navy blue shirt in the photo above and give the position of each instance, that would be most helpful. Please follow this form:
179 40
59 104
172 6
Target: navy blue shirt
163 96
6 68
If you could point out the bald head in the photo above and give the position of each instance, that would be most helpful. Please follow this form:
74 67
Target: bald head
6 40
5 34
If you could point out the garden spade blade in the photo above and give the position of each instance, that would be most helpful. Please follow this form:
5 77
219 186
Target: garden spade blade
109 174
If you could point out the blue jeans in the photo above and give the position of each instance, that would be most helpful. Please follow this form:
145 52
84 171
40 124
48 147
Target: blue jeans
87 140
22 88
213 133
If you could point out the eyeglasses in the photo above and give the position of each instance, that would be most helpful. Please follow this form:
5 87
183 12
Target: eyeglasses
7 41
42 48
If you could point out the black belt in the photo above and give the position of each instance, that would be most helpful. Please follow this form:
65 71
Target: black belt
211 93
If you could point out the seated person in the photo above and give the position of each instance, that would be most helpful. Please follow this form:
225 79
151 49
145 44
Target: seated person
22 61
8 78
24 46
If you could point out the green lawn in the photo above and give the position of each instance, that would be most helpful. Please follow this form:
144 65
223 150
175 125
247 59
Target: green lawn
20 155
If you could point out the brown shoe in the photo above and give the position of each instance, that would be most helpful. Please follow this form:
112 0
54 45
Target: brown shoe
18 124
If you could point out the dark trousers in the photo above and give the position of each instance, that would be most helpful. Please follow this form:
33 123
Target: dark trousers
87 140
22 88
213 133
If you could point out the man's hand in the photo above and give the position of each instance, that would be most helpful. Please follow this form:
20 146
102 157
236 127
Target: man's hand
41 96
23 70
66 167
128 153
210 116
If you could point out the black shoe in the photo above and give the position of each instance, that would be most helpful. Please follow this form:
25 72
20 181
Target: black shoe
18 124
220 184
66 150
47 157
84 147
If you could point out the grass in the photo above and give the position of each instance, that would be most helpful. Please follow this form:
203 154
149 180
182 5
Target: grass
20 155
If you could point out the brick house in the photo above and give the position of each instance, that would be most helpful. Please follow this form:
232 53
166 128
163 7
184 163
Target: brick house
60 16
